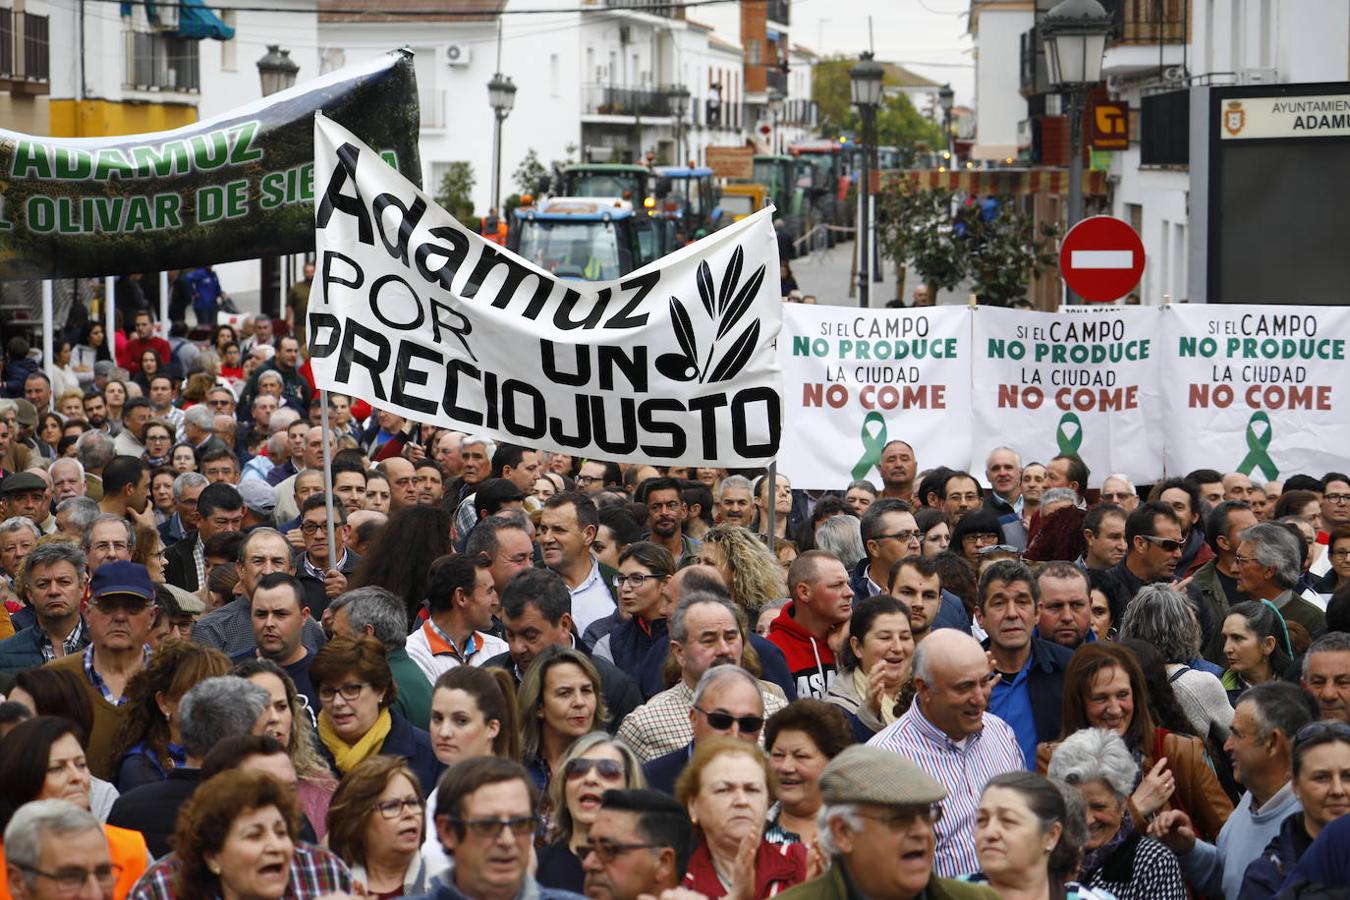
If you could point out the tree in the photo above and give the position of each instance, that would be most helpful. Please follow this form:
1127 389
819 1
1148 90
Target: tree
529 172
1010 250
916 228
832 93
992 243
455 193
899 124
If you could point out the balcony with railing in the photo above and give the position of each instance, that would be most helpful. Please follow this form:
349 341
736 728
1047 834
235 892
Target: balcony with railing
1149 21
162 63
25 52
778 11
1033 78
607 100
1146 35
652 7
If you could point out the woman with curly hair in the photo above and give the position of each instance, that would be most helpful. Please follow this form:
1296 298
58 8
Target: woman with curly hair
147 746
746 565
290 722
400 558
237 837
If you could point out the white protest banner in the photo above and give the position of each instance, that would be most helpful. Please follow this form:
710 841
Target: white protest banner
1087 383
1254 389
855 379
673 364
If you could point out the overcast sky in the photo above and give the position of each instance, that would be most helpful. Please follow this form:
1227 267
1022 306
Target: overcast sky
928 36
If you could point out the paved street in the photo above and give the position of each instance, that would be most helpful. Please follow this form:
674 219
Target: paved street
826 274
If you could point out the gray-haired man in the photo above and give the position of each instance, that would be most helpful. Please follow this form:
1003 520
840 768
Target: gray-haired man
214 709
377 612
1269 562
52 848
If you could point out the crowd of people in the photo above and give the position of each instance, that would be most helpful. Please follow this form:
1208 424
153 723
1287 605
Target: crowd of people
518 674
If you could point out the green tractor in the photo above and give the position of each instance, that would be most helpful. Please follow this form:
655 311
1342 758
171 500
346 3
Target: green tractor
776 173
627 182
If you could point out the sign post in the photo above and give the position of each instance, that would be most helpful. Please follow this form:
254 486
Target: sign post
1101 259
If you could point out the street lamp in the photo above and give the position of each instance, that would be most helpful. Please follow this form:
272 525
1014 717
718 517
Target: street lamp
1075 41
946 96
679 106
775 98
865 81
501 97
276 70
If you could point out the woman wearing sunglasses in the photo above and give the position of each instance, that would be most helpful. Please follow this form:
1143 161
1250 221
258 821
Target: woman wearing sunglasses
727 788
375 826
596 763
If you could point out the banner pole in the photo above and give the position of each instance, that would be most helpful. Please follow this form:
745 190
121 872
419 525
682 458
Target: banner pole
164 301
773 503
328 479
108 284
48 329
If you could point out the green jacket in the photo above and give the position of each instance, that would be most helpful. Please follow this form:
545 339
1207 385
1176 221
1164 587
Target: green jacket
1205 588
834 884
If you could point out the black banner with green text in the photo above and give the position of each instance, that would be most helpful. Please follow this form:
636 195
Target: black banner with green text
237 186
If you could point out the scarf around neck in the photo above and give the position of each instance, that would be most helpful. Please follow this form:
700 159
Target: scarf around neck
349 756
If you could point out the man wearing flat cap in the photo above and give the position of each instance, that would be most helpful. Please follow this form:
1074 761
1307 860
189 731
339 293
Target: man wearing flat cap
878 819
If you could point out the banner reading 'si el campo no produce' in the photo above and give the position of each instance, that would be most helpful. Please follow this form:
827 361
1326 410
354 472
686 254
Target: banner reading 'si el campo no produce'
673 363
237 186
853 380
1048 384
1259 390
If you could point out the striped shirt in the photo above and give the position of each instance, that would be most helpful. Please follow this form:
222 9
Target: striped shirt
963 769
315 872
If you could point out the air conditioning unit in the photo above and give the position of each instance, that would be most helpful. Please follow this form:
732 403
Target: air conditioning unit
1258 76
458 54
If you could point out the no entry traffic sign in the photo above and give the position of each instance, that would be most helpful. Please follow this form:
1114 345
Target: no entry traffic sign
1101 259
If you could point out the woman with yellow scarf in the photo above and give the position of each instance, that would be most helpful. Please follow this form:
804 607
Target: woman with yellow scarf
356 689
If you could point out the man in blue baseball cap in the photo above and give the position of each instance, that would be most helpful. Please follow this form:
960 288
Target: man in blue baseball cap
119 613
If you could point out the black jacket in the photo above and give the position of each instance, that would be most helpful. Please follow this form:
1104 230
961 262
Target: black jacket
180 569
152 809
651 674
662 772
1045 686
315 596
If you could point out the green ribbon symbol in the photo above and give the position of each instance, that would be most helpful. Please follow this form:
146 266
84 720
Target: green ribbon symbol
873 443
1069 443
1257 445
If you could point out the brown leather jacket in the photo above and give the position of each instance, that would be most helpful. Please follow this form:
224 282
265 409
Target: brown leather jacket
1198 792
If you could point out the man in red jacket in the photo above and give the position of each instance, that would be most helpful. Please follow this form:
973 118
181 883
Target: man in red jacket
145 339
822 603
